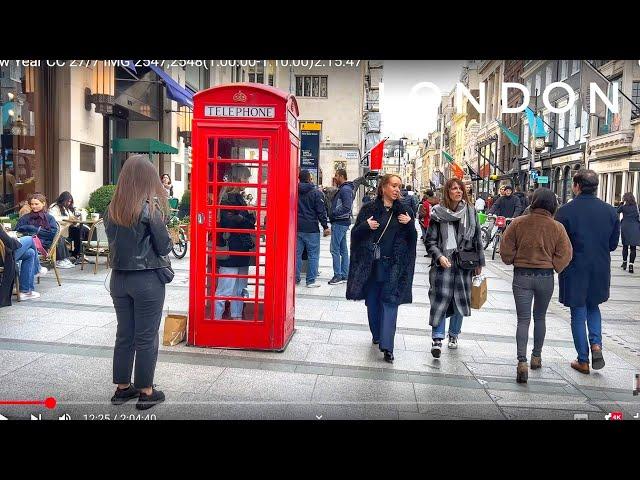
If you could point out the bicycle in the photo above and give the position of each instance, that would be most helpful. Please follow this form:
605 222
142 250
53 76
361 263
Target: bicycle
501 223
176 232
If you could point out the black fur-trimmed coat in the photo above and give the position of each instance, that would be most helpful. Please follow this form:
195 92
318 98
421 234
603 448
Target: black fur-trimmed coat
397 290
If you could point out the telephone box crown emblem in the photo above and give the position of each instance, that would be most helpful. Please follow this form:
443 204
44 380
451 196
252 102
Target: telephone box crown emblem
240 97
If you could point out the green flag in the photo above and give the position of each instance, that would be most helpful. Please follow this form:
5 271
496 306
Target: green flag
513 138
447 156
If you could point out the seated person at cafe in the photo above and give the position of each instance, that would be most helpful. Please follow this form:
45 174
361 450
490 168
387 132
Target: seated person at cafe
42 224
64 212
20 250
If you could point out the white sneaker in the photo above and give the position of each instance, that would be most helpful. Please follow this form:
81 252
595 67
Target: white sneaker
64 263
453 342
313 285
43 271
29 296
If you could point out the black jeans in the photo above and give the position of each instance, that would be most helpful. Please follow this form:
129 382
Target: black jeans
530 286
77 235
625 252
138 297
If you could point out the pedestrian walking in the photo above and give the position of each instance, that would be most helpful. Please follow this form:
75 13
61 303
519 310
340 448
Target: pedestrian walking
454 243
383 257
630 227
593 227
138 247
535 245
311 212
340 219
507 205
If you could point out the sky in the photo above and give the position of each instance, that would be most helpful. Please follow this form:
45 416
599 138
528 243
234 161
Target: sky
414 115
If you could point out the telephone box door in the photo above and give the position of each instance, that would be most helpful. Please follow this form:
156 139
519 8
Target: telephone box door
231 235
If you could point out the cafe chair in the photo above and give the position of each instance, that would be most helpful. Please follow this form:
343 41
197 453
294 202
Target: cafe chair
97 244
50 257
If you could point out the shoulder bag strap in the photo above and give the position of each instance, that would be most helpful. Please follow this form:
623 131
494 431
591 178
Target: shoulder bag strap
385 228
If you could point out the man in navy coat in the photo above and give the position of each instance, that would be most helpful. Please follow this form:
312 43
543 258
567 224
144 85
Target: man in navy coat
594 229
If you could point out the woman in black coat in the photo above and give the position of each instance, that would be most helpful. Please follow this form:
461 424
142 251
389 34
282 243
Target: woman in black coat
8 246
630 228
383 257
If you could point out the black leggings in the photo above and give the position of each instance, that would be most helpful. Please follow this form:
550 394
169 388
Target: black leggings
625 251
77 235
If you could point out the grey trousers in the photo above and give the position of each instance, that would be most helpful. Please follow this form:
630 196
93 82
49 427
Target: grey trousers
528 288
138 298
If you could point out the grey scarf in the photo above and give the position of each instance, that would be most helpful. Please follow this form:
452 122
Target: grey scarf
466 231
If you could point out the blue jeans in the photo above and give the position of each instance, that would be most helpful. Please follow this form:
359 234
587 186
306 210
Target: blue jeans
312 242
231 287
382 317
455 325
591 316
339 249
29 263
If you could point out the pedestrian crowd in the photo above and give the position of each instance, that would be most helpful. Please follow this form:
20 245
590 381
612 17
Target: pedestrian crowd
574 241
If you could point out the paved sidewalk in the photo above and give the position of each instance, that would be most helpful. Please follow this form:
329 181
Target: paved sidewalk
61 345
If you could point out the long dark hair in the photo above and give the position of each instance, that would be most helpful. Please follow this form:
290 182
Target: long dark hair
546 199
62 200
138 183
629 199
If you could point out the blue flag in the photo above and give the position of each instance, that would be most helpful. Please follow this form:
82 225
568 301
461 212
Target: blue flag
537 121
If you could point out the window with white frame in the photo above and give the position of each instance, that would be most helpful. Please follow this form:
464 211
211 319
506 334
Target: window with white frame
564 70
311 86
635 98
584 125
256 73
572 124
576 67
561 123
549 77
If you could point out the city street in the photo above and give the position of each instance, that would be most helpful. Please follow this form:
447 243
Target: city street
61 345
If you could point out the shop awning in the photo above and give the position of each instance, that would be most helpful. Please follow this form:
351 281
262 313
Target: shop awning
174 90
141 145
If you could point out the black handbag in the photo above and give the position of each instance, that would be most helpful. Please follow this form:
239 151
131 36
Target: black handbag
467 260
165 274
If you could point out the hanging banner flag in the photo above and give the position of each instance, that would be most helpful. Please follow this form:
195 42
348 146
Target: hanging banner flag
457 171
513 138
447 156
485 171
537 121
589 75
376 156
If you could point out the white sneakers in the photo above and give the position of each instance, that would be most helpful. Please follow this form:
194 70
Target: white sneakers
29 296
43 271
313 285
66 263
453 342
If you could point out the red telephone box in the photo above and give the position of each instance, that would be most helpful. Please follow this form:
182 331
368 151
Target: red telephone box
244 192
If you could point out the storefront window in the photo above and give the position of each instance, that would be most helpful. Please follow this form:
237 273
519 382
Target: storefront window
20 163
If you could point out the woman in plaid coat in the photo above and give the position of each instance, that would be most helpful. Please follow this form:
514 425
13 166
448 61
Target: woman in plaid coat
453 226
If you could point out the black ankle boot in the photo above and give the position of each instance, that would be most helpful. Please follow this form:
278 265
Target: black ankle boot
631 268
624 265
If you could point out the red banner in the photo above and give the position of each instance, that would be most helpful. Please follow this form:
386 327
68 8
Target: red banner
376 157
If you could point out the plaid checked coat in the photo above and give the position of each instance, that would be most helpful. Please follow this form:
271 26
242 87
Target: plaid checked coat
449 285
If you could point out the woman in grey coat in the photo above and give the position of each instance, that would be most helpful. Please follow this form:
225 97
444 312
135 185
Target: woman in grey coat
453 227
630 228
